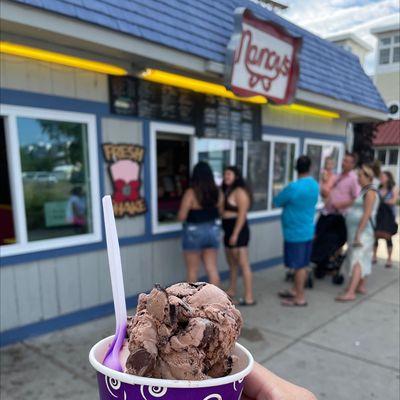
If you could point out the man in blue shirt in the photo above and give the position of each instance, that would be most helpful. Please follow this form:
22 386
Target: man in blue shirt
298 200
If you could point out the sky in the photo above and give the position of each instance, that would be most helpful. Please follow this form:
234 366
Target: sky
331 17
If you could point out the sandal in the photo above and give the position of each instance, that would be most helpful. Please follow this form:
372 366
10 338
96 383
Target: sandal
341 299
285 294
388 265
244 303
293 303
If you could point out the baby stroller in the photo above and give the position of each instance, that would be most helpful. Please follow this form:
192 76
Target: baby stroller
330 237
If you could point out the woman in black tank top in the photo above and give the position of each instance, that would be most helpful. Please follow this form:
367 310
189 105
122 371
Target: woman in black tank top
237 200
199 211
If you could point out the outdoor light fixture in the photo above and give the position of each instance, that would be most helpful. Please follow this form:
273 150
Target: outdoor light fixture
299 108
200 86
155 75
59 58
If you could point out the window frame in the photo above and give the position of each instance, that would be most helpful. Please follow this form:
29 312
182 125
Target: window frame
10 113
272 139
173 129
322 142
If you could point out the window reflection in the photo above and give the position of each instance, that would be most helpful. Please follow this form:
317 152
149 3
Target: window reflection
55 172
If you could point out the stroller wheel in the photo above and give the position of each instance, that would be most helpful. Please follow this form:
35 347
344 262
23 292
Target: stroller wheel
319 273
338 279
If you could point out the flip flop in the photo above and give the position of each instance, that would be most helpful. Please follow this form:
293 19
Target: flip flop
285 294
292 303
341 300
244 303
388 265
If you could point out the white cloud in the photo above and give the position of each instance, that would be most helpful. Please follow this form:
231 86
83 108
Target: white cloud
329 17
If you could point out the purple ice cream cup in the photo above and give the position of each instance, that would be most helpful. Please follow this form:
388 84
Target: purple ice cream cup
114 385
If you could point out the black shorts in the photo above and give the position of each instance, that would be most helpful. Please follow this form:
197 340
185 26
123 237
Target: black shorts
228 225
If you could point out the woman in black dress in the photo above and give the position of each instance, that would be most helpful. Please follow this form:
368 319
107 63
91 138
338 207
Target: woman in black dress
237 201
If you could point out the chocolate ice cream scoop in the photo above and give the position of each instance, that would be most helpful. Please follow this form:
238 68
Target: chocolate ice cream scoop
187 331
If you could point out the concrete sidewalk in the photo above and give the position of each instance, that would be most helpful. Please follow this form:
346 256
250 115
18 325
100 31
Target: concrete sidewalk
339 351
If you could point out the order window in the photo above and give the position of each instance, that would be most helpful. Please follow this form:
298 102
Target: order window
319 151
218 153
53 199
173 173
269 167
258 162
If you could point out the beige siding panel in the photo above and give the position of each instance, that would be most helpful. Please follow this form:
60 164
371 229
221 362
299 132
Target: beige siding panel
13 72
68 287
8 299
168 262
122 131
303 122
91 86
38 77
137 267
63 81
103 272
28 293
88 280
389 85
48 288
266 241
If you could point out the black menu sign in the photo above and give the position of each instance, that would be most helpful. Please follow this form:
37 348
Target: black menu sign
214 117
229 119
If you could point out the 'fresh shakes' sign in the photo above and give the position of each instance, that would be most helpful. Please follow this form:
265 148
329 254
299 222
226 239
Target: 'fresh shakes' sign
262 59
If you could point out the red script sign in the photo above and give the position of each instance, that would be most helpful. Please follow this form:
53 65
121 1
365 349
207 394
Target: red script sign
262 59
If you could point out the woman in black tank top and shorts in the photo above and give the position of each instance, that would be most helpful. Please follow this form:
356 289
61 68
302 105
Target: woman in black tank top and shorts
237 201
199 211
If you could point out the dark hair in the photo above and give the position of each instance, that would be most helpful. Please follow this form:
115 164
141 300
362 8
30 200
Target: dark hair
390 183
238 182
303 164
354 156
376 167
203 184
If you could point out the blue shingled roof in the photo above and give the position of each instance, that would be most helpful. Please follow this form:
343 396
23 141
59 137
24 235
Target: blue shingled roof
204 27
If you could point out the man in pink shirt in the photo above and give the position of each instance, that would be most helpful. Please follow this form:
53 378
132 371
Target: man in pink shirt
331 232
345 189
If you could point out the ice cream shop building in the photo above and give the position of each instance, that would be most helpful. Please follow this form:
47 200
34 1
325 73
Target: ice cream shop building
124 97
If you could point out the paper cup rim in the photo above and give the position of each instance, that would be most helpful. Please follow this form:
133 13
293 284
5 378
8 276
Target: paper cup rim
170 383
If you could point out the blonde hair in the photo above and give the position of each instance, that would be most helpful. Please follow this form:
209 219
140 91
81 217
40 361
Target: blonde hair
367 171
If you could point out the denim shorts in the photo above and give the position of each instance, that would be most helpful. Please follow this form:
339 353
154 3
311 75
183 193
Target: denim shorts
197 237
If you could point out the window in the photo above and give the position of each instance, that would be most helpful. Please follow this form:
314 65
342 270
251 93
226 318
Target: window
318 151
381 156
7 231
218 153
283 167
396 54
384 56
257 173
52 166
171 149
393 156
389 50
269 166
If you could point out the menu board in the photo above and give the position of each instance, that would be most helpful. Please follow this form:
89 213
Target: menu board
213 116
220 117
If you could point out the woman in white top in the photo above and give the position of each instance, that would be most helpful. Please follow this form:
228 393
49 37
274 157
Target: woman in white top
360 235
